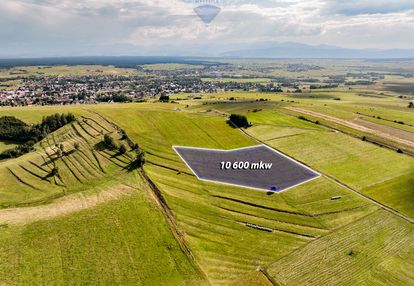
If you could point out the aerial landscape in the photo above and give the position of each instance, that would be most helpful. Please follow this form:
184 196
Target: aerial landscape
269 164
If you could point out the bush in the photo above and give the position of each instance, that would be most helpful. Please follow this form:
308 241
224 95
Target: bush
139 160
109 142
122 149
164 98
411 105
54 172
239 120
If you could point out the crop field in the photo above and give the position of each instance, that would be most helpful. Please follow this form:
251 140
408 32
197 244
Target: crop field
356 254
64 71
243 80
143 224
123 241
223 228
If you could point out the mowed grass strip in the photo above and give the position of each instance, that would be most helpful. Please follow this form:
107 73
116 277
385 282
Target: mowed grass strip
376 250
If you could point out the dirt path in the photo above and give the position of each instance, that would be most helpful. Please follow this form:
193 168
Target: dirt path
354 125
66 205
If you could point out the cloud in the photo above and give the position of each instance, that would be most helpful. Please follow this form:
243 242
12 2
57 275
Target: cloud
89 27
358 7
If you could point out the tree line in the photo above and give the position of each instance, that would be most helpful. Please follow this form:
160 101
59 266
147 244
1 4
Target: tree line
16 130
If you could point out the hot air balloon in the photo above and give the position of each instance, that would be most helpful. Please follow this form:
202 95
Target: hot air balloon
207 12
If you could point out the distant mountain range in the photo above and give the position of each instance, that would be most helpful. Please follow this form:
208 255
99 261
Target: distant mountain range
296 50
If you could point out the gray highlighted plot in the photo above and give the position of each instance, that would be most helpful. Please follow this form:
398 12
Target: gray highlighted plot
258 167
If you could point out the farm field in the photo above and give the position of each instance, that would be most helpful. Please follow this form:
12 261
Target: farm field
205 232
122 241
214 217
45 220
27 71
207 143
355 255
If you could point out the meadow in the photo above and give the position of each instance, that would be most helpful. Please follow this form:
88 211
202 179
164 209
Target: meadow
214 218
95 222
312 238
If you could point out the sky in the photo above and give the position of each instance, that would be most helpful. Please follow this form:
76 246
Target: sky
38 28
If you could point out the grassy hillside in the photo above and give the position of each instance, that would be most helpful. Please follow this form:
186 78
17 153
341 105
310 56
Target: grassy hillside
28 179
361 165
213 217
96 222
5 145
121 242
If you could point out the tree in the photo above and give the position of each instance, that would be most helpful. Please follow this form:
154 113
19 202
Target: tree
239 120
76 145
109 142
139 159
122 149
54 172
164 98
411 105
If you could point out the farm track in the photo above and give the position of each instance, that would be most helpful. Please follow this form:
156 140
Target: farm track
355 125
403 134
383 206
63 206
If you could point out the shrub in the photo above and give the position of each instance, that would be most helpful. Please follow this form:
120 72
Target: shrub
164 98
239 120
122 149
54 172
109 142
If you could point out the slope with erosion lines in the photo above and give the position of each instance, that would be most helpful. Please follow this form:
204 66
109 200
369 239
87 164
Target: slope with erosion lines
28 180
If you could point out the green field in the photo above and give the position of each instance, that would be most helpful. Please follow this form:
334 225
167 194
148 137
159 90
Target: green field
123 242
5 145
94 223
115 232
239 80
64 71
213 216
